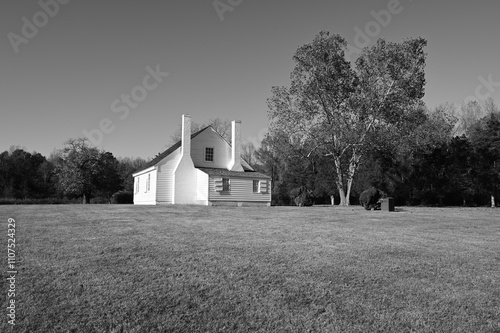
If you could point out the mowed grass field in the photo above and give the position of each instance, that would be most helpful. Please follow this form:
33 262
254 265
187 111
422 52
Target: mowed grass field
117 268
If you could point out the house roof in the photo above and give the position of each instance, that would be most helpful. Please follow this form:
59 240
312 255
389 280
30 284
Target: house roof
169 151
173 148
228 173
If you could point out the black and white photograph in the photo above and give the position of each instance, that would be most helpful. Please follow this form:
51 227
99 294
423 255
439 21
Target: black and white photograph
250 166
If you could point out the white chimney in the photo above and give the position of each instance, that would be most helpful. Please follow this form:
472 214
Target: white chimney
235 164
186 135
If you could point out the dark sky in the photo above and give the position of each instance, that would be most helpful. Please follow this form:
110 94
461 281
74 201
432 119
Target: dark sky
72 73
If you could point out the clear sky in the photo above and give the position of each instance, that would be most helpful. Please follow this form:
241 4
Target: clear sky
72 71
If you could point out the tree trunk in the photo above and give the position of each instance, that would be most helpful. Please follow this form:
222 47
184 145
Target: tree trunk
340 182
343 199
345 194
348 194
353 165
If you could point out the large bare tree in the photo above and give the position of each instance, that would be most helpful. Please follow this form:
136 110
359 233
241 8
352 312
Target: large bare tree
336 109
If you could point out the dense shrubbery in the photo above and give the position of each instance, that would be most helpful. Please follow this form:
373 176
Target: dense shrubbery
122 197
302 196
43 201
370 198
77 173
100 200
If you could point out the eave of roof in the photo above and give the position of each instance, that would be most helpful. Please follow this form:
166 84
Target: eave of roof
169 151
177 145
228 173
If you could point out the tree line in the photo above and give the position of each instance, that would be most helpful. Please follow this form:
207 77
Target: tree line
451 158
79 172
76 173
337 129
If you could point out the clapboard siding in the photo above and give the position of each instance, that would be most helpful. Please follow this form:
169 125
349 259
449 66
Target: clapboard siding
165 185
210 139
178 181
241 190
143 196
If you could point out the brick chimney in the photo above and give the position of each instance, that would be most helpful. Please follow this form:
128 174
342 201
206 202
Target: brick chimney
235 164
186 135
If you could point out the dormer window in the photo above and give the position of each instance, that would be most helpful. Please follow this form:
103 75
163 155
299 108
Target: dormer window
209 154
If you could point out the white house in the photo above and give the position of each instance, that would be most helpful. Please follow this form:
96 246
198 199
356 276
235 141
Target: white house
203 169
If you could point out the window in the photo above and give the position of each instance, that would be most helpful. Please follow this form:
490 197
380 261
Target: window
256 186
225 184
222 184
148 183
209 154
137 185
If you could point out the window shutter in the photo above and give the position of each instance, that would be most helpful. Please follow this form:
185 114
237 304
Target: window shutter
263 186
218 184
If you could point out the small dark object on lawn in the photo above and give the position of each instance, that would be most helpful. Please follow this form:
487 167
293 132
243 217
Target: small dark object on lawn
387 204
370 198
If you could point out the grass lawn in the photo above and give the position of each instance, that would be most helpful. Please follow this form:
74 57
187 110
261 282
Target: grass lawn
117 268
